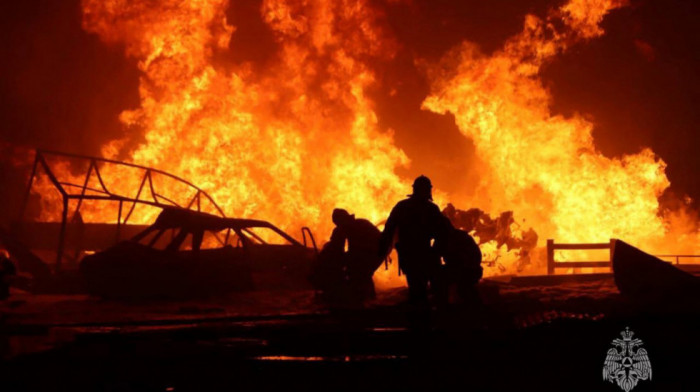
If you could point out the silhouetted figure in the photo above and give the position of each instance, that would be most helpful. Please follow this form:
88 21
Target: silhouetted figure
362 245
7 271
348 275
417 222
462 267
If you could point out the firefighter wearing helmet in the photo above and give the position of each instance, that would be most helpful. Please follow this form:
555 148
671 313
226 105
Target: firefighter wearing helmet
417 224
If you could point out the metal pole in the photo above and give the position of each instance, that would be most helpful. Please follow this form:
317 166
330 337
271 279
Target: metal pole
136 200
29 188
119 219
82 191
62 234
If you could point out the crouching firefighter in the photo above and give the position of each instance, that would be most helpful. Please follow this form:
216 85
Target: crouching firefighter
462 267
347 275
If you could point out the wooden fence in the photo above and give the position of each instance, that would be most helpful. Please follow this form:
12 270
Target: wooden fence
552 264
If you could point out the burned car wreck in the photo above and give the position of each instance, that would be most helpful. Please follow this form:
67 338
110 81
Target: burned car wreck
192 254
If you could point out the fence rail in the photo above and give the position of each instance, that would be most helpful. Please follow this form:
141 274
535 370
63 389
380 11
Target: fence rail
552 264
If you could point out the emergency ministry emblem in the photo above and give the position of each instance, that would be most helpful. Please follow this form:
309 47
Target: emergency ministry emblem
627 362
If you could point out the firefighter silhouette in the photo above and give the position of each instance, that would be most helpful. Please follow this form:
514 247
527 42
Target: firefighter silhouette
347 275
418 225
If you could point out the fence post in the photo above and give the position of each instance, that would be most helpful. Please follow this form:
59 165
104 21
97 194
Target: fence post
550 257
612 250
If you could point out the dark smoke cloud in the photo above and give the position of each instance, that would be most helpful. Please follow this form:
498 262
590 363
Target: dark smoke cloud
426 30
62 88
640 85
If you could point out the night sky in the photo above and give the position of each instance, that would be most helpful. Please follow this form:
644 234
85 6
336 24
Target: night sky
62 89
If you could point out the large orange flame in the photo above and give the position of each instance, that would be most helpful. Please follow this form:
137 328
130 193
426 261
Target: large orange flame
288 145
293 141
543 166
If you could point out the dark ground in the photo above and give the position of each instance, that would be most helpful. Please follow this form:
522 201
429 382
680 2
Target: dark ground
525 338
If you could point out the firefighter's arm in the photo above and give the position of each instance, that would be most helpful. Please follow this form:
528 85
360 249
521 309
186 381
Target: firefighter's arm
387 238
